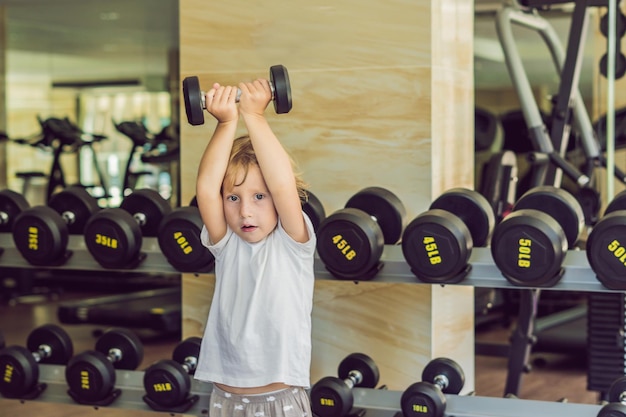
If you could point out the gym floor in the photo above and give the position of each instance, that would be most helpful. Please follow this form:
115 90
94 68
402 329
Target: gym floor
554 376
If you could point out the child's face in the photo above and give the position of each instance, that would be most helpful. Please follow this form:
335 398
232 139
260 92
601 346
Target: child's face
248 207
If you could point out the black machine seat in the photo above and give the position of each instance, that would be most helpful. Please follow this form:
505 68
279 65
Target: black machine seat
158 310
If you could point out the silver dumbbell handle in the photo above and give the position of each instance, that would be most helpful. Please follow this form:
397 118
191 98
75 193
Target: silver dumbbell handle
115 355
203 96
42 352
442 381
190 364
354 378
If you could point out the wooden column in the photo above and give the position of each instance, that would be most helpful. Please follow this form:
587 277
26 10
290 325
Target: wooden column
382 95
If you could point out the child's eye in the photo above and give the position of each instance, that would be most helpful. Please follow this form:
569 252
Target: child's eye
232 198
259 196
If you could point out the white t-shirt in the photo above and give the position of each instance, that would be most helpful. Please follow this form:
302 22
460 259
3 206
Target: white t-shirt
259 325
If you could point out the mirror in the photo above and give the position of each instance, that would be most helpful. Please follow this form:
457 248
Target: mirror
95 64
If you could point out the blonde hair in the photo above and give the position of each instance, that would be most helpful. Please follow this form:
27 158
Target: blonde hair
242 155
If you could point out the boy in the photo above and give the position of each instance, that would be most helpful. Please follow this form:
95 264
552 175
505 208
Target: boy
256 347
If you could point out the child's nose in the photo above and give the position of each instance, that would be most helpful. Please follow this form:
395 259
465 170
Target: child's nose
245 209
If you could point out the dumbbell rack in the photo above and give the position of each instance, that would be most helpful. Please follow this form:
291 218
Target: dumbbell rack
578 275
81 259
376 402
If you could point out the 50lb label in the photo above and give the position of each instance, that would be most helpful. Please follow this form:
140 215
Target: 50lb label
618 250
523 253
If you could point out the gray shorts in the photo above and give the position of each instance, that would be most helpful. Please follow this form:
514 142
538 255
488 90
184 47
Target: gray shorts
289 402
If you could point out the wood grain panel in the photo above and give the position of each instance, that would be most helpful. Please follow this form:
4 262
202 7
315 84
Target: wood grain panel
382 95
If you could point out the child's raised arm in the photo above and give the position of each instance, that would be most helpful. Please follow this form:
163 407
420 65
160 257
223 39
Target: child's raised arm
220 102
273 160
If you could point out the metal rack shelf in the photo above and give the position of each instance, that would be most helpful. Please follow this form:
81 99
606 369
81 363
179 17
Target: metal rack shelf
376 402
578 274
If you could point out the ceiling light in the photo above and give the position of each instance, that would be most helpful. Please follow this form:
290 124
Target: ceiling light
109 16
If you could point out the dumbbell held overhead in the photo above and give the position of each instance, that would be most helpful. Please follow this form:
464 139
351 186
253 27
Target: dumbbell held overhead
195 103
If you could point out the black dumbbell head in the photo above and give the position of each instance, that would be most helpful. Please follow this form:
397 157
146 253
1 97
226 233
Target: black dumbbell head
385 207
76 202
437 246
188 348
447 368
192 97
331 397
606 250
617 390
90 377
423 399
350 244
363 364
56 339
620 24
620 65
24 361
167 382
127 342
313 207
617 203
612 410
560 205
179 240
24 373
279 77
113 238
41 236
529 246
149 206
11 204
472 208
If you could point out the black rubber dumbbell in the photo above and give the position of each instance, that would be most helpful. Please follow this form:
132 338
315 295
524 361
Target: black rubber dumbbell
168 382
91 376
332 396
11 205
41 233
19 365
426 398
314 208
194 97
114 236
616 397
606 245
530 244
350 241
179 241
437 244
